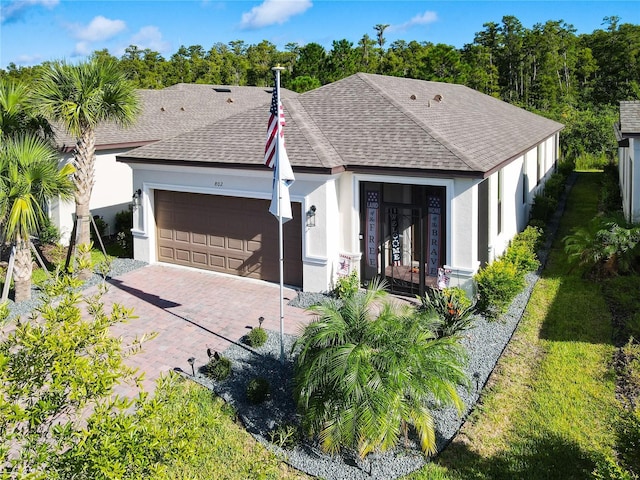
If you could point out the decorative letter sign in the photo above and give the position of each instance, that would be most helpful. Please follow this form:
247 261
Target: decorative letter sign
372 228
395 237
433 228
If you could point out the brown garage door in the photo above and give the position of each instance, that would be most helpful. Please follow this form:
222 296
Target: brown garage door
227 234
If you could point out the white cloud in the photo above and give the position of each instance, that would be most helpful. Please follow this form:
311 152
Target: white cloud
13 11
81 49
421 19
28 59
150 37
273 11
100 28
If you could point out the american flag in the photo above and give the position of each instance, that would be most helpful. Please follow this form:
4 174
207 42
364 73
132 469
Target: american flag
276 111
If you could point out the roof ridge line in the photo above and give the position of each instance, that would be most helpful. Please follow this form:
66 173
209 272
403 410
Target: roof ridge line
314 135
463 158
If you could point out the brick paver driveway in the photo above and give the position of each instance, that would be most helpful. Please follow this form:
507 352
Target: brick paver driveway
192 310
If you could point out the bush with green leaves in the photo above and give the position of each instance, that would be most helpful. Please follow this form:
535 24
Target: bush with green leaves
498 283
257 390
285 436
604 248
554 186
58 418
452 308
123 226
367 371
531 237
543 207
257 337
522 257
217 368
347 286
48 232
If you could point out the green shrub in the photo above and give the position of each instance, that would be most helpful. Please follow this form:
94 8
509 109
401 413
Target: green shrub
101 226
610 200
217 368
347 286
285 436
566 167
554 186
541 225
531 237
608 469
522 257
452 307
628 444
48 232
124 237
590 161
257 390
498 283
257 337
543 207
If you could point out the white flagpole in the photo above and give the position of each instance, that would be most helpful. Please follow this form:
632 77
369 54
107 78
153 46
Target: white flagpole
278 69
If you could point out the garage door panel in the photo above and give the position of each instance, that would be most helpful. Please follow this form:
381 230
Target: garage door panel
216 241
227 234
235 244
181 236
165 233
199 258
217 261
198 239
183 255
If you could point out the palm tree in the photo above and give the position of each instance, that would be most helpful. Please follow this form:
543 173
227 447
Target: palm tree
17 113
29 176
366 371
81 97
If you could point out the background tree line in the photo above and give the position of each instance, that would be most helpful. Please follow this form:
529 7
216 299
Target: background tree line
575 79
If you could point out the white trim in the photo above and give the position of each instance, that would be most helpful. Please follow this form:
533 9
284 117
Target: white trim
448 183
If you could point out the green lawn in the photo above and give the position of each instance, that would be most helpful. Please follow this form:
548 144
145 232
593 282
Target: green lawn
549 410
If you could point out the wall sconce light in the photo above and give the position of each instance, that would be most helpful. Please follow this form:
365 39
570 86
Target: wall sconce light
136 198
311 216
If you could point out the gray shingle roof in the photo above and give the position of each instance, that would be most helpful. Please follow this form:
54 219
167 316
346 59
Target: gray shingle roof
630 117
177 109
370 120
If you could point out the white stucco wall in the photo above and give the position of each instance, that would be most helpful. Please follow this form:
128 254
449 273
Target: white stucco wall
112 193
515 211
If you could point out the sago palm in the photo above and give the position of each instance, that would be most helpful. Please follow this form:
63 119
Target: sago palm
81 97
29 176
366 371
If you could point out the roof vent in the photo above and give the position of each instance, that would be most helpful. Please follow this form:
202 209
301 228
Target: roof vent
413 97
162 109
438 98
229 100
182 109
222 90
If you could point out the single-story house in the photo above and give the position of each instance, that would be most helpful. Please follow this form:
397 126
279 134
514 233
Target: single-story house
164 114
405 179
628 135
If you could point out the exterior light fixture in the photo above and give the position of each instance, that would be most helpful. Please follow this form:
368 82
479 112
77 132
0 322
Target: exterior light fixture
136 198
311 216
260 320
191 361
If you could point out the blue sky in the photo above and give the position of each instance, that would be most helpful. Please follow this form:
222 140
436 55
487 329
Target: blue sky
32 31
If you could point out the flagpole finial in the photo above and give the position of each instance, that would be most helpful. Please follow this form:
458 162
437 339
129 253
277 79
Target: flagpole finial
277 68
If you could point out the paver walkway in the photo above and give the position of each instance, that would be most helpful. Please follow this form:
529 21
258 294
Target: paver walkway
191 310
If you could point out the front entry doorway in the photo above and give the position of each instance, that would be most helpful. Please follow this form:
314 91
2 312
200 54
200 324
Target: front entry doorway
402 240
